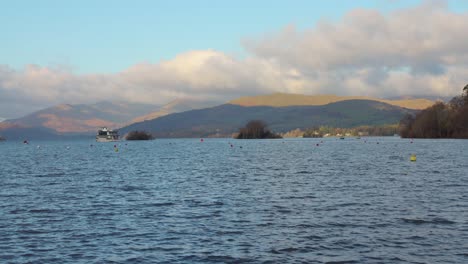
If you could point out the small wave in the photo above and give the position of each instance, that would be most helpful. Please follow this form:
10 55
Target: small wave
198 216
265 224
345 261
159 204
216 259
240 221
17 211
285 250
196 203
31 232
418 221
130 188
161 248
58 174
222 233
42 211
347 204
416 238
307 225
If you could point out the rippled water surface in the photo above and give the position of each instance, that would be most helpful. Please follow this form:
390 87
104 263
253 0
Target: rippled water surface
270 201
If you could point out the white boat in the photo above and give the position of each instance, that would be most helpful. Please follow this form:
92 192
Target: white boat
107 135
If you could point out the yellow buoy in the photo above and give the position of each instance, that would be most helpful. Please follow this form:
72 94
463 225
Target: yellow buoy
413 157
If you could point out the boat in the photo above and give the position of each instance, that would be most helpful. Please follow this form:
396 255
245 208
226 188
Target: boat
107 135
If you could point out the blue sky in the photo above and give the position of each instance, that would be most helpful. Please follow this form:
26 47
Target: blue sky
110 36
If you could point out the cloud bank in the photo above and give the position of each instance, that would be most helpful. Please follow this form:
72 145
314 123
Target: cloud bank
418 51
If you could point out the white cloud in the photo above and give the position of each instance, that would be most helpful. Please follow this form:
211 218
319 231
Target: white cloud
422 50
418 51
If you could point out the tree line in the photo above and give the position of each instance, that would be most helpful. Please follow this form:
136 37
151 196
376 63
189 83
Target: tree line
323 131
442 120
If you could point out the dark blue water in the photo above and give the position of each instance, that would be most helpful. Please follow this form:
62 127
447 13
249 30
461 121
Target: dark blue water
271 201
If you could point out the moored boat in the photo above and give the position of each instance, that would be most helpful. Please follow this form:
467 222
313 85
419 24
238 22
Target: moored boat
107 135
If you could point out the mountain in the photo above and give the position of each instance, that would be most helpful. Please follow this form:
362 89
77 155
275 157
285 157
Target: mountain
72 119
15 132
67 119
226 119
176 106
282 100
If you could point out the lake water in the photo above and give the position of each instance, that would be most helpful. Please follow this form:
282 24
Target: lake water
259 201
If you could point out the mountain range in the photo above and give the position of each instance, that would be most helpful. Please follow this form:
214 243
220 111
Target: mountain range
282 99
190 118
223 120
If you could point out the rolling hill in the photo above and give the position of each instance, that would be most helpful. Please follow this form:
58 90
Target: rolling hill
283 99
281 111
72 119
85 119
226 119
176 106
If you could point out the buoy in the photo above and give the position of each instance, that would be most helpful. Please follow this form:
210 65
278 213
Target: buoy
413 157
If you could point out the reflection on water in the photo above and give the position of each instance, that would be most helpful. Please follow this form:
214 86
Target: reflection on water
271 201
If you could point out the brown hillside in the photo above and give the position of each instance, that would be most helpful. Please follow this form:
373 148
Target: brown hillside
283 99
175 106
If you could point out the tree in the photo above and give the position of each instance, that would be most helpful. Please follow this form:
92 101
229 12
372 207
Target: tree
255 129
465 93
406 125
440 120
139 135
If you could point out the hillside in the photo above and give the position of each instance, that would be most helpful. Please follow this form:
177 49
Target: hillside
66 118
228 118
175 106
283 100
82 119
23 133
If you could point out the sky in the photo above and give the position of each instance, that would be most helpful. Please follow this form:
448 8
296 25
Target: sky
54 52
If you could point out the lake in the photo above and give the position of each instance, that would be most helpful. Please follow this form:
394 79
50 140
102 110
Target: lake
257 201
